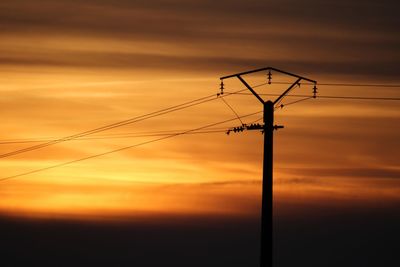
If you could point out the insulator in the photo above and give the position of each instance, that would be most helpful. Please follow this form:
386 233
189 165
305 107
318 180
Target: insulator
222 87
315 91
269 77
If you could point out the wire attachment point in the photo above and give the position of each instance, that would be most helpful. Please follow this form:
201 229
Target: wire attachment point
222 87
315 90
269 77
276 127
253 126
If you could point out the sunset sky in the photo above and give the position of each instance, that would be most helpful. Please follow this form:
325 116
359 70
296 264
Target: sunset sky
71 66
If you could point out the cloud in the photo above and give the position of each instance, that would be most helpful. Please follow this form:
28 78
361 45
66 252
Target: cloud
96 14
215 64
224 183
355 172
327 38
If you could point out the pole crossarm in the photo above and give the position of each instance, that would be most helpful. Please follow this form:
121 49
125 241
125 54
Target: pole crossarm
268 68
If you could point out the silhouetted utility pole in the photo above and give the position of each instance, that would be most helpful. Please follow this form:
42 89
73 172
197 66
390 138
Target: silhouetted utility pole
266 257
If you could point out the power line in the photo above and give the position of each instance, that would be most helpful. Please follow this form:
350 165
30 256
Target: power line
125 148
348 84
360 98
169 110
123 123
293 102
47 138
118 136
51 141
176 108
111 126
126 122
330 96
231 108
361 85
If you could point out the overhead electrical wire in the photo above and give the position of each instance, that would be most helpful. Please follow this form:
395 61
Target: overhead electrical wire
231 108
175 108
349 84
361 85
78 136
329 96
54 140
360 98
111 126
125 148
124 122
113 136
185 105
293 102
97 135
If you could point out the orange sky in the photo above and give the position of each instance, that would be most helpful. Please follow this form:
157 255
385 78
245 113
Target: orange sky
98 63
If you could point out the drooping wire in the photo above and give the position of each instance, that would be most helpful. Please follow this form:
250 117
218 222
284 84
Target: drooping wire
360 98
111 126
121 123
330 96
231 108
113 136
126 122
348 84
125 148
51 141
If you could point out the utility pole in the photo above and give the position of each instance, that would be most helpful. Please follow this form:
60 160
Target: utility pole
266 253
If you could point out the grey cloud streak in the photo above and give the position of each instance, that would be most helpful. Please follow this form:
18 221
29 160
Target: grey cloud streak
355 172
329 37
177 19
356 13
216 64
